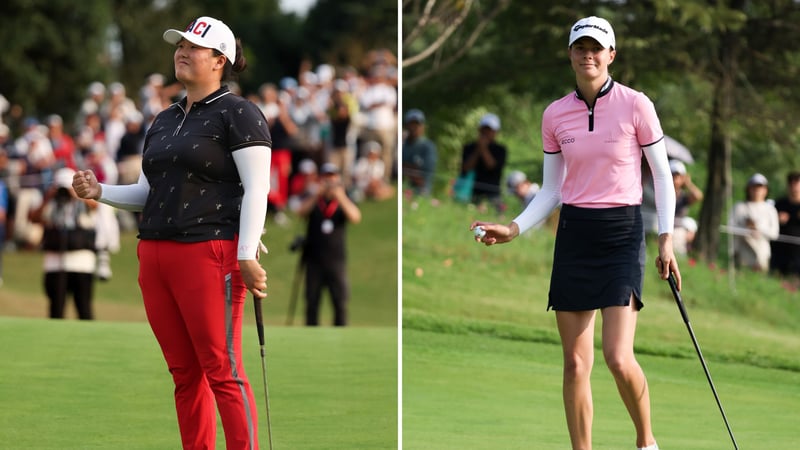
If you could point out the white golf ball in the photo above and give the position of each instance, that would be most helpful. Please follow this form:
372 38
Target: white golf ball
479 232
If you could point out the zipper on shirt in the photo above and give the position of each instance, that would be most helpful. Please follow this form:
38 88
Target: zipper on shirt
603 91
178 129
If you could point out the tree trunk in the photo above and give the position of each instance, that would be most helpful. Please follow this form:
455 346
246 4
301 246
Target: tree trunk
718 184
715 198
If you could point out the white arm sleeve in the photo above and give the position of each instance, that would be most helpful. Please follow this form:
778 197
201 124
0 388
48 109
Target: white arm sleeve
549 197
130 197
253 165
656 155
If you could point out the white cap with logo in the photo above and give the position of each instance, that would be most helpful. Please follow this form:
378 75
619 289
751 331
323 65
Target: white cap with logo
596 28
206 32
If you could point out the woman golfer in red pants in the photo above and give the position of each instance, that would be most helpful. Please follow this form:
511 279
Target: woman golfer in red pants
593 142
203 197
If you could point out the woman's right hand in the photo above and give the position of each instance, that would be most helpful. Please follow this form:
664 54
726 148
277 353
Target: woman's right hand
86 185
495 232
254 277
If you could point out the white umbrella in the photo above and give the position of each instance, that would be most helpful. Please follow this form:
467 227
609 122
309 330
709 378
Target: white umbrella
676 150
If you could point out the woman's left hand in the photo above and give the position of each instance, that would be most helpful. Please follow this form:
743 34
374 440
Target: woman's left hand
254 277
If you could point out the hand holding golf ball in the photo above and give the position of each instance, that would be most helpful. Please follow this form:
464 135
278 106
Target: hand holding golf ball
489 233
479 233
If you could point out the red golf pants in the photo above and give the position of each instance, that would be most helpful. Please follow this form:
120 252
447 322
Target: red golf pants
194 298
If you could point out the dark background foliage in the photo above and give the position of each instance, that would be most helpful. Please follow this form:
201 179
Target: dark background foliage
55 48
722 75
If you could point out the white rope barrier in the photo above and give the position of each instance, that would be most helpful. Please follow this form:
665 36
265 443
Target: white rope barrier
739 231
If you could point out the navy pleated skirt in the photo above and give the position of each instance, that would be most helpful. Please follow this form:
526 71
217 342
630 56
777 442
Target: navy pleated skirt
598 259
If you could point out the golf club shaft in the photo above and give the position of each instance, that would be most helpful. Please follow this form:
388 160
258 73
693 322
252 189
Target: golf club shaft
260 329
675 293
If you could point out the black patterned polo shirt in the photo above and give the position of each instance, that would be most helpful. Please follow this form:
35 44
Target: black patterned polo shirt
195 190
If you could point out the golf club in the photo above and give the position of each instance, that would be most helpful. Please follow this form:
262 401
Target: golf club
685 316
260 329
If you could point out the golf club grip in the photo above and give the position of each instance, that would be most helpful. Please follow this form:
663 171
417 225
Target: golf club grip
674 287
259 319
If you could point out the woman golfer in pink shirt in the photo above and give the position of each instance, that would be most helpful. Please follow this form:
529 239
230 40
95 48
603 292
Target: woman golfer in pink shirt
593 143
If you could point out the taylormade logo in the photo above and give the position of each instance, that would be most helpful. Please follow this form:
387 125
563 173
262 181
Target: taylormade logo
597 27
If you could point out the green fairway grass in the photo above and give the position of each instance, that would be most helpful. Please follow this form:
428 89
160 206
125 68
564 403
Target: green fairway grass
478 392
482 360
104 385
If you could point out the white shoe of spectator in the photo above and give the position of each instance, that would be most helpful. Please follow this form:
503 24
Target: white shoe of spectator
103 271
281 218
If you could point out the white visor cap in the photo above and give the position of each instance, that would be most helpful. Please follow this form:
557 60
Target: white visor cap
206 32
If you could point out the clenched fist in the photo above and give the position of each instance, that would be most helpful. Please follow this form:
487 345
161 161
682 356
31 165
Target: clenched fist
86 185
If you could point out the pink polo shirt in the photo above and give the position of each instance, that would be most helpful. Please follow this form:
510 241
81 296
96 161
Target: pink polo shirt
602 148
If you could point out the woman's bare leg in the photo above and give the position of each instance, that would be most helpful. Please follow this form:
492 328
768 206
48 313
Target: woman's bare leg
619 328
577 342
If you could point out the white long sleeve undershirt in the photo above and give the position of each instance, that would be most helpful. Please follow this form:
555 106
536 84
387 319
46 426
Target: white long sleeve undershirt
253 164
658 161
130 197
549 197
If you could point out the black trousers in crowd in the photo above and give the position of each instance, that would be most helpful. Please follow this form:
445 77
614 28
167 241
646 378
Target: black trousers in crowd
57 285
333 276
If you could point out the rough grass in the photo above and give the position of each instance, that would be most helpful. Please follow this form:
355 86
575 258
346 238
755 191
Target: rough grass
451 283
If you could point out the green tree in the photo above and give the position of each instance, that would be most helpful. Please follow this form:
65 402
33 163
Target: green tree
437 34
736 48
53 49
343 32
720 74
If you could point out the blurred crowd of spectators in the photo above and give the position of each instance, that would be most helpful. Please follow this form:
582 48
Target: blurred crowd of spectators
324 114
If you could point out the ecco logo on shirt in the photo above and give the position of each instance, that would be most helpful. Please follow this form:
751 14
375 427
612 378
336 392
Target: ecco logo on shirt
568 140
